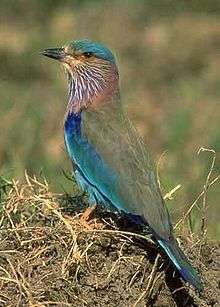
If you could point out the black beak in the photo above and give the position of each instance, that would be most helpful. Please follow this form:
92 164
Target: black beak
54 53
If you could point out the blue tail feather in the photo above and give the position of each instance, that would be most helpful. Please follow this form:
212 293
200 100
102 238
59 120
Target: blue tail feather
181 263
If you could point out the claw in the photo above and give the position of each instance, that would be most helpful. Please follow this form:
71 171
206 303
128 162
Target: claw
85 216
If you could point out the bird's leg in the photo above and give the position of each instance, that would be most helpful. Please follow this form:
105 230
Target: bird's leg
85 216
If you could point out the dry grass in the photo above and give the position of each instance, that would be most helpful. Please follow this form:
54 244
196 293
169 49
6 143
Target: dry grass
49 258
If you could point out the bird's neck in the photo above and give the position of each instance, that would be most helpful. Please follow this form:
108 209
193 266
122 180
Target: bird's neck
92 89
89 96
98 111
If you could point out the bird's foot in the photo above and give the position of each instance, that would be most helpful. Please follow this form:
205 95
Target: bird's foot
85 216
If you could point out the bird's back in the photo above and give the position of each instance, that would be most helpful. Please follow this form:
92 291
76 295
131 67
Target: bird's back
113 158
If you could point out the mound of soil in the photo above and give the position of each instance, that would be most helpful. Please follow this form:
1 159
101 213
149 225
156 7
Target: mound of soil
49 257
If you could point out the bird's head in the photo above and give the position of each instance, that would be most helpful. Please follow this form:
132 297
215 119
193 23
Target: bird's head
91 70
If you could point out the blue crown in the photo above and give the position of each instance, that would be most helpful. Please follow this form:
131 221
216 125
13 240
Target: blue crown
97 49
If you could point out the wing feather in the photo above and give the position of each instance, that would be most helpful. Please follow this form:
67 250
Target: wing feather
122 169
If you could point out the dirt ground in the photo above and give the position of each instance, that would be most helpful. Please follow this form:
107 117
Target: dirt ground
48 257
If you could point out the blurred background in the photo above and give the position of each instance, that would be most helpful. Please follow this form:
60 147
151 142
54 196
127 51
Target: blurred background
170 83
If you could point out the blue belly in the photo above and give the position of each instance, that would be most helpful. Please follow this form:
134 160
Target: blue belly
87 161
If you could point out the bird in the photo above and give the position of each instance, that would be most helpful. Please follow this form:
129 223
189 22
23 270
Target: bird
110 160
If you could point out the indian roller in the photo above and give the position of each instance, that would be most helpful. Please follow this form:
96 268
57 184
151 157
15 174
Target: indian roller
110 160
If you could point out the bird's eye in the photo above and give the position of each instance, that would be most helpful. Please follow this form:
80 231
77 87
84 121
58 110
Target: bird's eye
88 54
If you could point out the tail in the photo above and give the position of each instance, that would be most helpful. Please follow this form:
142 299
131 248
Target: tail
181 263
